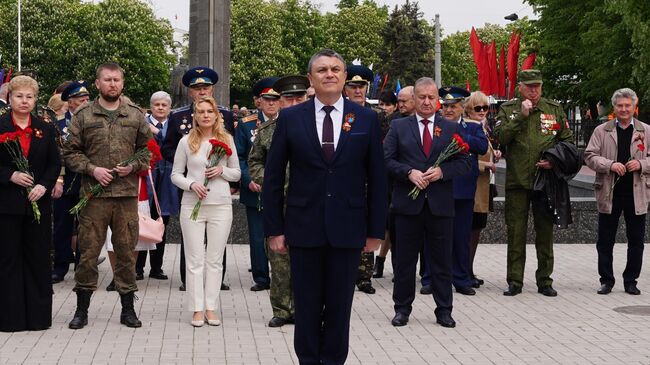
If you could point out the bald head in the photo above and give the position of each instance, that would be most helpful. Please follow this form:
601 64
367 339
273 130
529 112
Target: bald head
406 101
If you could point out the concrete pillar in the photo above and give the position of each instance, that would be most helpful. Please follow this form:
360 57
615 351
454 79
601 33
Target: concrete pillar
210 42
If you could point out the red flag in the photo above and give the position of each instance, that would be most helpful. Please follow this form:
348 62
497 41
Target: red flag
384 84
513 57
484 71
467 87
502 73
529 62
492 66
476 44
8 77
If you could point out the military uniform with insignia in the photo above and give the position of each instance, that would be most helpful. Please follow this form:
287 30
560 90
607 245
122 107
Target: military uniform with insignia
244 138
525 139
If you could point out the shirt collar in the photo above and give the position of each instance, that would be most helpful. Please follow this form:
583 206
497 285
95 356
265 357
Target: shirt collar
156 121
338 105
631 123
420 118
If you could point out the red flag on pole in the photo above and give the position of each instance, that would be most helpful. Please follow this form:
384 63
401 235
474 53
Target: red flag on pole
529 62
502 73
513 57
384 84
8 77
484 71
492 66
475 43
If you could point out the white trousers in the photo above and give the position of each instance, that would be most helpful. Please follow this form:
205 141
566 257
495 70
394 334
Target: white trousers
204 263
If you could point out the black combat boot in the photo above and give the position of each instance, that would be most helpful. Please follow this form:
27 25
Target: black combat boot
80 318
128 316
379 267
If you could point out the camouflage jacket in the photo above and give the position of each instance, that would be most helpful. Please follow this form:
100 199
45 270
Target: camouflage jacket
526 138
94 141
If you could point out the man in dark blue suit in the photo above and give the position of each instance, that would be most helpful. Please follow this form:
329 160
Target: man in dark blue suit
411 147
335 206
453 100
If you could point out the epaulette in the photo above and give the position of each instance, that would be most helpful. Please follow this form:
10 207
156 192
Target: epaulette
250 118
512 101
181 109
4 109
224 108
266 124
85 106
471 121
553 102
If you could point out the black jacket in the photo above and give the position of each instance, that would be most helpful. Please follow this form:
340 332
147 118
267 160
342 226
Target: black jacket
551 186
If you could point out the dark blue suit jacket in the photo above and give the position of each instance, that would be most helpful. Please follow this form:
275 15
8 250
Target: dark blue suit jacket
243 142
473 134
339 203
403 152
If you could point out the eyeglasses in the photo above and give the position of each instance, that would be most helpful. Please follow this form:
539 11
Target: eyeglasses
481 108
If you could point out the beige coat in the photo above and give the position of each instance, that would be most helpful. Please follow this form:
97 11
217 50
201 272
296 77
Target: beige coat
482 196
601 154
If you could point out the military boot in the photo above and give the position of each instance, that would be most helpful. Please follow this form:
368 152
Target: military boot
379 267
80 318
128 316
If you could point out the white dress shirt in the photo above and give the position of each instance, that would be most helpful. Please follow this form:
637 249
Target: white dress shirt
421 125
337 119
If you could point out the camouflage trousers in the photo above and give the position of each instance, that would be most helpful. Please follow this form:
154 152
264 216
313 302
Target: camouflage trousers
281 295
121 215
366 266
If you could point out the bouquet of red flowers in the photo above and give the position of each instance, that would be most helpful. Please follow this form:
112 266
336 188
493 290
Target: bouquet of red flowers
219 150
11 141
456 146
97 189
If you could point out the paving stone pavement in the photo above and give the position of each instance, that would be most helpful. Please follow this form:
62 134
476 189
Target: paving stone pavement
577 327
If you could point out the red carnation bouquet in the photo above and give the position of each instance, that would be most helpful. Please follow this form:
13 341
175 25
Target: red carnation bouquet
11 141
217 152
97 189
456 146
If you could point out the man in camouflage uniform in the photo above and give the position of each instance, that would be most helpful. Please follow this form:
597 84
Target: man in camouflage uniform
293 90
104 133
528 126
356 87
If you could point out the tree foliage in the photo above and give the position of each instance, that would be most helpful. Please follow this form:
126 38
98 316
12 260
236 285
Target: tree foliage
67 39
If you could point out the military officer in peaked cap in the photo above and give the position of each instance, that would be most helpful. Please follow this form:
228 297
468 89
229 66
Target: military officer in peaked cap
528 126
292 90
200 82
452 101
249 194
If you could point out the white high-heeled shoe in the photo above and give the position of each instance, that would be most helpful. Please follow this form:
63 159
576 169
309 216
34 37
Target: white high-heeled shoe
214 322
198 323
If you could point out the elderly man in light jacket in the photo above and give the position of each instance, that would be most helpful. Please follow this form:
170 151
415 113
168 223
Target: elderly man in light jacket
617 152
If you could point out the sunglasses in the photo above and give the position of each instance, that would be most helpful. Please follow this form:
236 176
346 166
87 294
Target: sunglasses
481 108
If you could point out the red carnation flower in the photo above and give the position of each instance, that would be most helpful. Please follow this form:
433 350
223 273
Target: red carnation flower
641 147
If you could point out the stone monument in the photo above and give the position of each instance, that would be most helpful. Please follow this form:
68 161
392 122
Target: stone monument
210 42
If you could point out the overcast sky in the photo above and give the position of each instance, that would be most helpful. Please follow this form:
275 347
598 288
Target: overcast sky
455 15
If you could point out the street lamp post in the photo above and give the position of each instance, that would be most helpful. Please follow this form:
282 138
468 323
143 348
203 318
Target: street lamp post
19 39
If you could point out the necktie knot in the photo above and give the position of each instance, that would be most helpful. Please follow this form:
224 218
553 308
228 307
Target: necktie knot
425 122
328 109
159 125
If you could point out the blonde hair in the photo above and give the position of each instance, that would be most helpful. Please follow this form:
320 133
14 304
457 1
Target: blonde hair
23 81
55 103
218 129
474 99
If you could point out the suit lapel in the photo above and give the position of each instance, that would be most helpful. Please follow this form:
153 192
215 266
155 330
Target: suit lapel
344 136
309 121
415 130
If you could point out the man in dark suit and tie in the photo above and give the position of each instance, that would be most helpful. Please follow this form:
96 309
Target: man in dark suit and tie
411 148
335 206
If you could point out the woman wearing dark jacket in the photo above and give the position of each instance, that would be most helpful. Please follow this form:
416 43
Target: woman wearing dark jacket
25 265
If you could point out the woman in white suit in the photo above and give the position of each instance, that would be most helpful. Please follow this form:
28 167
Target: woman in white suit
205 264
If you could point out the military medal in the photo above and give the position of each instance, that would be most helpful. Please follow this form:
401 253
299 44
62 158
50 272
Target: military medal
38 133
348 121
182 127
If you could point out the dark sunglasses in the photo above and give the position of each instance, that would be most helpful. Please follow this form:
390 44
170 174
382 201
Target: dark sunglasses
481 108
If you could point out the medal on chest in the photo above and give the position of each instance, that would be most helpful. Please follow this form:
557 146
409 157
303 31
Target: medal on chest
548 124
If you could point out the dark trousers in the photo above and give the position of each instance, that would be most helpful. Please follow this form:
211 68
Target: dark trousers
323 289
259 261
436 232
155 256
464 210
25 275
62 234
635 231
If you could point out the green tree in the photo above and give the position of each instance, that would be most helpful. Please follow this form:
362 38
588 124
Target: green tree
407 50
344 4
67 39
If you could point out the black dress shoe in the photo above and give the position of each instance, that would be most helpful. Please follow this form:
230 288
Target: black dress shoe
182 287
367 288
225 286
605 289
56 278
139 276
547 291
399 320
632 289
158 275
477 282
426 290
277 322
465 290
512 290
445 320
111 286
259 287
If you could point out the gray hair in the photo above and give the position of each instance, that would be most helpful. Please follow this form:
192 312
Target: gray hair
324 53
424 81
624 93
161 95
4 90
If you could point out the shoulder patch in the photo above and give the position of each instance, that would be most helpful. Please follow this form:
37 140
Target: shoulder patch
250 118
